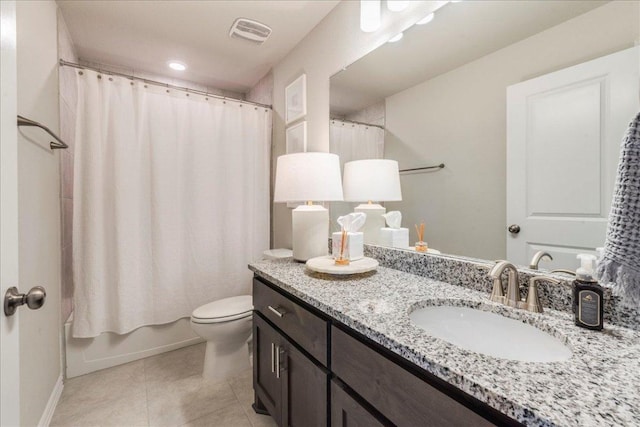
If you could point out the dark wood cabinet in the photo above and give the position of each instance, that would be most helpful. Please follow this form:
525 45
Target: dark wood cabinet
347 412
312 371
289 385
304 393
266 384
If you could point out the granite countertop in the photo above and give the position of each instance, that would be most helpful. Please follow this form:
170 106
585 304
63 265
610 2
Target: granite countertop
598 385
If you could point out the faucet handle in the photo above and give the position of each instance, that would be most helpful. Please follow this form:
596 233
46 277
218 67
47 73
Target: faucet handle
533 297
533 303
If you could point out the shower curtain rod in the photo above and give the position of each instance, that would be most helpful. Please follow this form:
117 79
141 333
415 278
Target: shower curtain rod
157 83
357 123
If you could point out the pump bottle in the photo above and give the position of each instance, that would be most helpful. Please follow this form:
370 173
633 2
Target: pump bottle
588 304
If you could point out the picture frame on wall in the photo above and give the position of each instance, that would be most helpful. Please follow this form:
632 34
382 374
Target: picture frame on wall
296 99
296 138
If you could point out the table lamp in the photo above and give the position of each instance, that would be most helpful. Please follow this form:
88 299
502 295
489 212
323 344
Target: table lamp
368 181
310 177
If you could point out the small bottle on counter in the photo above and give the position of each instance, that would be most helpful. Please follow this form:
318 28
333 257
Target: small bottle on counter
588 295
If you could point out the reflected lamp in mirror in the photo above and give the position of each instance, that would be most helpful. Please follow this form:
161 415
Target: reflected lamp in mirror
373 180
312 177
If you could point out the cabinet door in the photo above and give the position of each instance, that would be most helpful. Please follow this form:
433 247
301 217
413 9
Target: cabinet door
346 412
267 386
304 401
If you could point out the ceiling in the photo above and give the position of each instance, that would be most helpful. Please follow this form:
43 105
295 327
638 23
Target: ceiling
144 35
460 33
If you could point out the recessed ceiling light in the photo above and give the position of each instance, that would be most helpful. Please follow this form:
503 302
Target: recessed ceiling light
426 19
175 65
396 38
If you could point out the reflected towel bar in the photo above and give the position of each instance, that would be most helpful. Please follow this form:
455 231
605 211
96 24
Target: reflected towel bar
440 166
23 121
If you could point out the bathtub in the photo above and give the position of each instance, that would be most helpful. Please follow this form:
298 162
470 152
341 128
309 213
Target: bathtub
85 355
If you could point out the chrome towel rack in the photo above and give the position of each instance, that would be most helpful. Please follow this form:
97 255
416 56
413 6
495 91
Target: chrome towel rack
440 166
54 145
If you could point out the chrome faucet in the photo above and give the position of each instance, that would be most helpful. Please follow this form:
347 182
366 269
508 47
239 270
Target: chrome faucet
537 257
512 299
533 297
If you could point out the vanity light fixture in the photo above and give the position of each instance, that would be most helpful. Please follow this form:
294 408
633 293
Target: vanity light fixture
426 19
396 38
175 65
312 177
369 15
397 5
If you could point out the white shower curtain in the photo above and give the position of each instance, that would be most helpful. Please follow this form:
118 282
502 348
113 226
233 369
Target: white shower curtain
353 141
171 201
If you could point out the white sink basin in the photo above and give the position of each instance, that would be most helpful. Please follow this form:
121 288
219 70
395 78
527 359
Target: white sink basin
489 333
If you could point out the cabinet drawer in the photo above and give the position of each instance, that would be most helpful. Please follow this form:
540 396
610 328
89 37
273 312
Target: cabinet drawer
305 328
399 395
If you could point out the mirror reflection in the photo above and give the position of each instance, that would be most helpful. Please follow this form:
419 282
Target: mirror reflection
525 103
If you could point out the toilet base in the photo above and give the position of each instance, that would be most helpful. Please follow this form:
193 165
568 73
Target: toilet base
223 360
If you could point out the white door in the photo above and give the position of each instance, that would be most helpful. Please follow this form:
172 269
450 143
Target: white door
564 131
9 334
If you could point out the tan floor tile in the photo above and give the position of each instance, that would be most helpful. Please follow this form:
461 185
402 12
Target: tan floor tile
257 420
177 402
230 416
242 386
127 410
175 365
92 392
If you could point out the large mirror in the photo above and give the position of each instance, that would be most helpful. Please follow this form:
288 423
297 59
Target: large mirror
524 102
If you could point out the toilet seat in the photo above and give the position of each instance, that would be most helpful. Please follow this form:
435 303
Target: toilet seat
224 310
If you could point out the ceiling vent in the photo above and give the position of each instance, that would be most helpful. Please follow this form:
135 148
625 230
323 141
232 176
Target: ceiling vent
250 30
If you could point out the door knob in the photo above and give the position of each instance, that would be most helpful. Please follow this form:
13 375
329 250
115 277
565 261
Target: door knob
13 299
514 229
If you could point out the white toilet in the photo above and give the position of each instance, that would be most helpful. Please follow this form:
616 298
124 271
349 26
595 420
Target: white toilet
226 326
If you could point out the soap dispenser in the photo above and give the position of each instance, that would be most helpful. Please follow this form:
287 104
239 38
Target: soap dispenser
588 304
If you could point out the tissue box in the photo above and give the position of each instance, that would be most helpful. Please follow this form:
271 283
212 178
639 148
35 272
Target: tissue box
355 242
394 237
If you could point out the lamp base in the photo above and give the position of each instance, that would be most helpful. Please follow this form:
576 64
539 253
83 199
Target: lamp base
375 221
310 232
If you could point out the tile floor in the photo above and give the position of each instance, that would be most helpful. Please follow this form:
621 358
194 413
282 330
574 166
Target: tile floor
163 390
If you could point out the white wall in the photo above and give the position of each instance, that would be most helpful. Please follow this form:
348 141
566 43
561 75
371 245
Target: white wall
333 44
39 205
459 118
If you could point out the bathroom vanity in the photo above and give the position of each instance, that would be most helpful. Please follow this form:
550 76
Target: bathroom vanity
343 351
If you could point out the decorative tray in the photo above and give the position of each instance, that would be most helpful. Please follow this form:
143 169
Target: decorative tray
326 264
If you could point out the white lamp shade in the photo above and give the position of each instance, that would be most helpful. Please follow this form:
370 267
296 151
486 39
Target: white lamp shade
308 177
372 180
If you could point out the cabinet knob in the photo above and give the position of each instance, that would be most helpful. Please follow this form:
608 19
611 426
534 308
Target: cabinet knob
514 229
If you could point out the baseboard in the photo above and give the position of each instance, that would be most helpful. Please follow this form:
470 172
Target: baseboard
45 420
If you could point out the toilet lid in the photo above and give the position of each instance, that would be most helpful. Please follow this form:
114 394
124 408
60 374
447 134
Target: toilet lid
225 309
